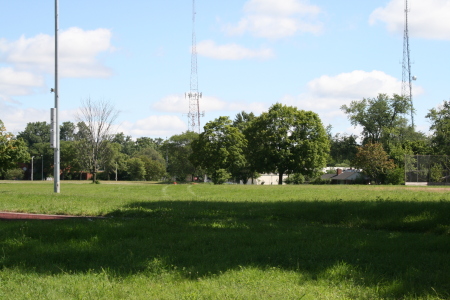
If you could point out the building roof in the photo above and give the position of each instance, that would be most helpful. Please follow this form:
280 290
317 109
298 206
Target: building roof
345 176
328 176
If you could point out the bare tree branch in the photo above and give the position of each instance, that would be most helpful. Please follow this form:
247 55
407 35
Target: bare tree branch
95 120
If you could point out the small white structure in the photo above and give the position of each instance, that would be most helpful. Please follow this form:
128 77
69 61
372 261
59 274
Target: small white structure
266 179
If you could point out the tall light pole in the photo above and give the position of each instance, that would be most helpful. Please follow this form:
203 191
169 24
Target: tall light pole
32 169
55 123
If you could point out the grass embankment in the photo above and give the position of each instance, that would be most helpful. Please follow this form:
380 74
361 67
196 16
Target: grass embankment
218 242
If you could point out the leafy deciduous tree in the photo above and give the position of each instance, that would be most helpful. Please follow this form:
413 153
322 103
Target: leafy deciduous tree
136 169
114 160
287 140
381 118
12 151
155 166
220 146
35 132
440 127
178 149
373 160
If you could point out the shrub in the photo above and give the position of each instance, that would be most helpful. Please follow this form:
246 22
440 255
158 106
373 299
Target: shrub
395 176
14 174
296 178
319 180
220 176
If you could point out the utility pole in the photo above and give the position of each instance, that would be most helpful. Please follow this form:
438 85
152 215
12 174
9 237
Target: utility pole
406 66
194 96
55 122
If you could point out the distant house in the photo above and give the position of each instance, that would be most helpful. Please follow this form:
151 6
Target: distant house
267 179
343 176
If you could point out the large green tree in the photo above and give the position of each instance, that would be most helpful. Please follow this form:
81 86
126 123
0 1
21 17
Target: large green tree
12 151
37 138
374 161
69 159
242 121
177 151
67 131
114 161
287 140
383 118
154 164
219 146
35 132
136 169
343 148
126 141
440 128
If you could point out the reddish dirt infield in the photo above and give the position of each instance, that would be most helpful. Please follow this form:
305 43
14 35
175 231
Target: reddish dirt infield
25 216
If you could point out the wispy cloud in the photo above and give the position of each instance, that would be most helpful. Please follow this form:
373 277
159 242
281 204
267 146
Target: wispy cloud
78 52
179 104
14 83
427 19
275 19
231 51
159 126
326 94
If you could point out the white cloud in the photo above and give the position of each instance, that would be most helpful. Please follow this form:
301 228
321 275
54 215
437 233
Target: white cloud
356 84
14 83
16 117
330 92
159 126
326 94
78 52
231 51
180 104
277 19
426 19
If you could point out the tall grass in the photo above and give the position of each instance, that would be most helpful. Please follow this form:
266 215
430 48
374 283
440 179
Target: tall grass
218 242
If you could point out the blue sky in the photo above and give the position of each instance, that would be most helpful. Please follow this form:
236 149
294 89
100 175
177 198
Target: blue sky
316 55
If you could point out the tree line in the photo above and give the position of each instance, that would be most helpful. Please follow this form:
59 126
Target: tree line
283 140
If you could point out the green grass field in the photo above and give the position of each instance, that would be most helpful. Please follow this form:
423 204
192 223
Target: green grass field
161 241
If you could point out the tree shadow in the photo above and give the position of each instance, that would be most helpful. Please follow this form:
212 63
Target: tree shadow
403 245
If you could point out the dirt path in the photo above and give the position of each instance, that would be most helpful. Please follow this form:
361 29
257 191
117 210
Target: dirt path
26 216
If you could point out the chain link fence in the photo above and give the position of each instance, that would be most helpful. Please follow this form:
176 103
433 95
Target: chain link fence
427 170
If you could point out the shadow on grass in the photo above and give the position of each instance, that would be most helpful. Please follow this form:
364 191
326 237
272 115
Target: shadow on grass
401 245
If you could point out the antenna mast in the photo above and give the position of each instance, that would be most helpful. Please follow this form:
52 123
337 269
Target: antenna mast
194 96
406 74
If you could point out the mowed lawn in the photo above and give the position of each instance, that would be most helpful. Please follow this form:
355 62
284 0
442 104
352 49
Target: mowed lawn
158 241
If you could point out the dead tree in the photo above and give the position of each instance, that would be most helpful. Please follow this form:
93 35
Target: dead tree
95 120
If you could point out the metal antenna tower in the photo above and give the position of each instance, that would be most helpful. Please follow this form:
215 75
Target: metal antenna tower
406 75
194 96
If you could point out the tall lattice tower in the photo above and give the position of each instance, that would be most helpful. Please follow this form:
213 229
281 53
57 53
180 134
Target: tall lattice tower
406 74
194 96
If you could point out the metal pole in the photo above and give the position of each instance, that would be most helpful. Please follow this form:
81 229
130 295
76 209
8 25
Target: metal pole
32 168
56 168
42 173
